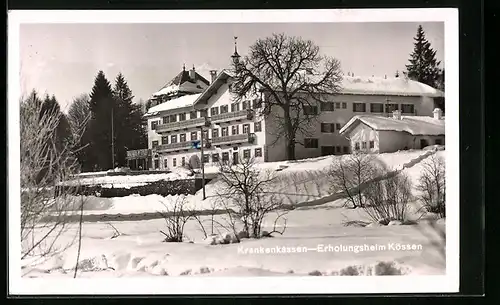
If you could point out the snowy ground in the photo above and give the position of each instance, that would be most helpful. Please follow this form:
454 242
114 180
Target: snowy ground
139 250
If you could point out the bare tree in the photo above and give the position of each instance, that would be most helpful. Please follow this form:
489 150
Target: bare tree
432 185
387 199
295 79
46 165
79 113
176 216
246 193
351 174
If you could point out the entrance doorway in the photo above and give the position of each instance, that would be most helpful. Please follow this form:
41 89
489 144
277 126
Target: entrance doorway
235 158
423 143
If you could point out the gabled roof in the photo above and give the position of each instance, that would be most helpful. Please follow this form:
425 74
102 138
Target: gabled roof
176 103
414 125
221 79
182 81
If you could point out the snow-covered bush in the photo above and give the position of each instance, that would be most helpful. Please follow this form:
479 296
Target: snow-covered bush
387 199
176 216
247 194
432 186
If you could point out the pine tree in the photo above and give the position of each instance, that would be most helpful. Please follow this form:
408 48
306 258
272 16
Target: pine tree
97 136
129 132
423 67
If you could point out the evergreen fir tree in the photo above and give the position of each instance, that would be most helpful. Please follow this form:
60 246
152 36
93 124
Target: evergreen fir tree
423 67
98 136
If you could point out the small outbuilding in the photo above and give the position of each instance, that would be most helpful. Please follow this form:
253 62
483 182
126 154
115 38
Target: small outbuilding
381 134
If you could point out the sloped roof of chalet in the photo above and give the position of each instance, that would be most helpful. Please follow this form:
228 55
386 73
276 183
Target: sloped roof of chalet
176 103
414 125
181 78
220 79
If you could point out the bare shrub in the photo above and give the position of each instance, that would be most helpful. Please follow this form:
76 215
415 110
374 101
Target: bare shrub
388 199
350 175
176 216
246 194
47 162
432 186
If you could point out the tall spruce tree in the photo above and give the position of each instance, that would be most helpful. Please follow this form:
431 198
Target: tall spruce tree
129 131
423 67
98 135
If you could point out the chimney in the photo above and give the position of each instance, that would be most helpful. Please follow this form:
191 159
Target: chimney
192 73
438 113
213 74
396 114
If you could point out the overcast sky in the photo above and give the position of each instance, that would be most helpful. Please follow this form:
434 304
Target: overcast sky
63 59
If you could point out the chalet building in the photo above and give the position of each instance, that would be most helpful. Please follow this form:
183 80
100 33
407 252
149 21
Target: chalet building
231 130
380 134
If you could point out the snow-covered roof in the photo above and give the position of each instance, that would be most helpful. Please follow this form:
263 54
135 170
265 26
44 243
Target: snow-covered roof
387 86
414 125
183 82
180 102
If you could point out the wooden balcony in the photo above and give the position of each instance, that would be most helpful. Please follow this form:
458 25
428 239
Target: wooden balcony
234 139
173 147
246 114
187 124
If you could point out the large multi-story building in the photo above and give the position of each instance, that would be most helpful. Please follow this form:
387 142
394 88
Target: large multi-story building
236 129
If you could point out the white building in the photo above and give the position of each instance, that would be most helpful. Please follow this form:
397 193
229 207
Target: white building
380 134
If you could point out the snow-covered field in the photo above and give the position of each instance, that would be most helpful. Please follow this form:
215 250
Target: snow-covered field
139 250
301 182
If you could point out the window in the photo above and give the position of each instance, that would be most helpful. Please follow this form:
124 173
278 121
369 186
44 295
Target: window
182 117
193 115
310 143
224 109
214 111
257 104
327 106
173 139
225 157
166 120
246 105
164 140
215 158
165 163
407 108
327 127
310 110
182 137
346 149
235 129
372 144
206 158
203 113
157 164
344 105
338 126
246 128
358 107
215 133
257 126
337 105
246 154
194 135
338 149
356 146
174 162
377 107
389 108
205 135
235 107
153 125
438 142
258 152
363 144
155 144
224 131
183 161
327 150
173 118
